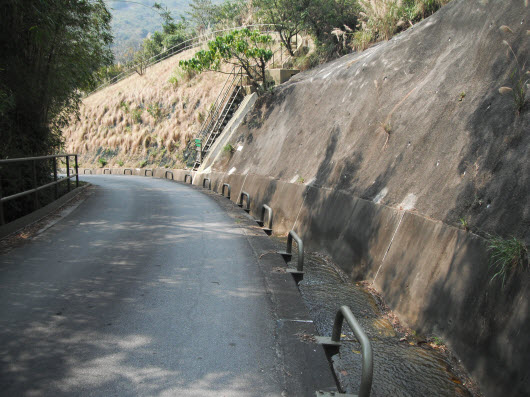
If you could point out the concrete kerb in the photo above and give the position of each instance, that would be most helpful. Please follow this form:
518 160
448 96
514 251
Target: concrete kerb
16 225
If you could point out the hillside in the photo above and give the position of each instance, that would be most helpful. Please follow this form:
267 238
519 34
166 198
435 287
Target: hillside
143 118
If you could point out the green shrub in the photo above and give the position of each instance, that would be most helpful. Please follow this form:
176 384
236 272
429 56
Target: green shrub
155 111
102 162
137 115
506 255
120 163
142 163
228 148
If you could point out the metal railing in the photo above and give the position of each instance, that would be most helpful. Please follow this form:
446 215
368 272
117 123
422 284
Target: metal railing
169 172
107 169
240 204
287 254
151 171
223 190
209 183
186 178
127 169
85 170
36 189
261 220
366 347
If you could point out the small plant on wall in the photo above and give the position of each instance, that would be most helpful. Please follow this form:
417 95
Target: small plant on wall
102 162
506 256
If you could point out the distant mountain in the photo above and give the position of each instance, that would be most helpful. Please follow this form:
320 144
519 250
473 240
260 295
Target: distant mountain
133 20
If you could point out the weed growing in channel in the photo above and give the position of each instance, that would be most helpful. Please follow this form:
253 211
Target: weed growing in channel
102 162
506 256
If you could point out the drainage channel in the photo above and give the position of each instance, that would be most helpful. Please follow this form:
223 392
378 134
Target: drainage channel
404 364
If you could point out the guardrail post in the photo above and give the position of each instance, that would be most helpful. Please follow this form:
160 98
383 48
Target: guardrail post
68 172
366 347
169 172
76 172
223 190
261 221
56 186
287 254
186 178
209 183
36 197
2 219
127 169
240 204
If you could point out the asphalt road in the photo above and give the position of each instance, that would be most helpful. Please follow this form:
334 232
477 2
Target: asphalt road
147 288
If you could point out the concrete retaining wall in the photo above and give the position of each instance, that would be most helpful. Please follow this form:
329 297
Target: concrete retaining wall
434 276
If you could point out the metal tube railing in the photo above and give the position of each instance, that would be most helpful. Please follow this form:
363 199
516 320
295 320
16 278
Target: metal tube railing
261 220
186 178
209 183
223 190
241 196
366 347
287 255
107 169
151 171
169 172
35 188
127 169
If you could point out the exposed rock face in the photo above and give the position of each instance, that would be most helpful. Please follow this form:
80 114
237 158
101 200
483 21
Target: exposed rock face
417 119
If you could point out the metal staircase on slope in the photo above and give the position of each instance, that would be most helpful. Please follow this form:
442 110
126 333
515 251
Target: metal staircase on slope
220 114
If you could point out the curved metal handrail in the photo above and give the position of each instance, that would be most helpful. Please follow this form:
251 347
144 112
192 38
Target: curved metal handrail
169 172
287 255
107 169
151 171
85 170
209 183
241 196
261 220
186 178
223 190
127 169
366 347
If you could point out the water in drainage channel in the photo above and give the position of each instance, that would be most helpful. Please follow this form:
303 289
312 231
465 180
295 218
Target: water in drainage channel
404 365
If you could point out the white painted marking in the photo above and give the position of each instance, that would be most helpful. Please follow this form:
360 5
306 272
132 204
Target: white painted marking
232 171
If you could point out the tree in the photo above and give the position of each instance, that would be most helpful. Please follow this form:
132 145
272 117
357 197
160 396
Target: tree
49 52
285 15
246 48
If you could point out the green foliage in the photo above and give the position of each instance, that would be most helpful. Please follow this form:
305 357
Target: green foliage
155 111
506 255
49 52
200 117
102 162
286 16
205 14
228 148
120 163
464 224
136 115
125 107
246 48
142 163
300 180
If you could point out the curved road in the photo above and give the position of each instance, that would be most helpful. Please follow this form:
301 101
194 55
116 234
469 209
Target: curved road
147 288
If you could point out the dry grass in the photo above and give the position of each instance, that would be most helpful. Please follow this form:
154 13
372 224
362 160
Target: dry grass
114 123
